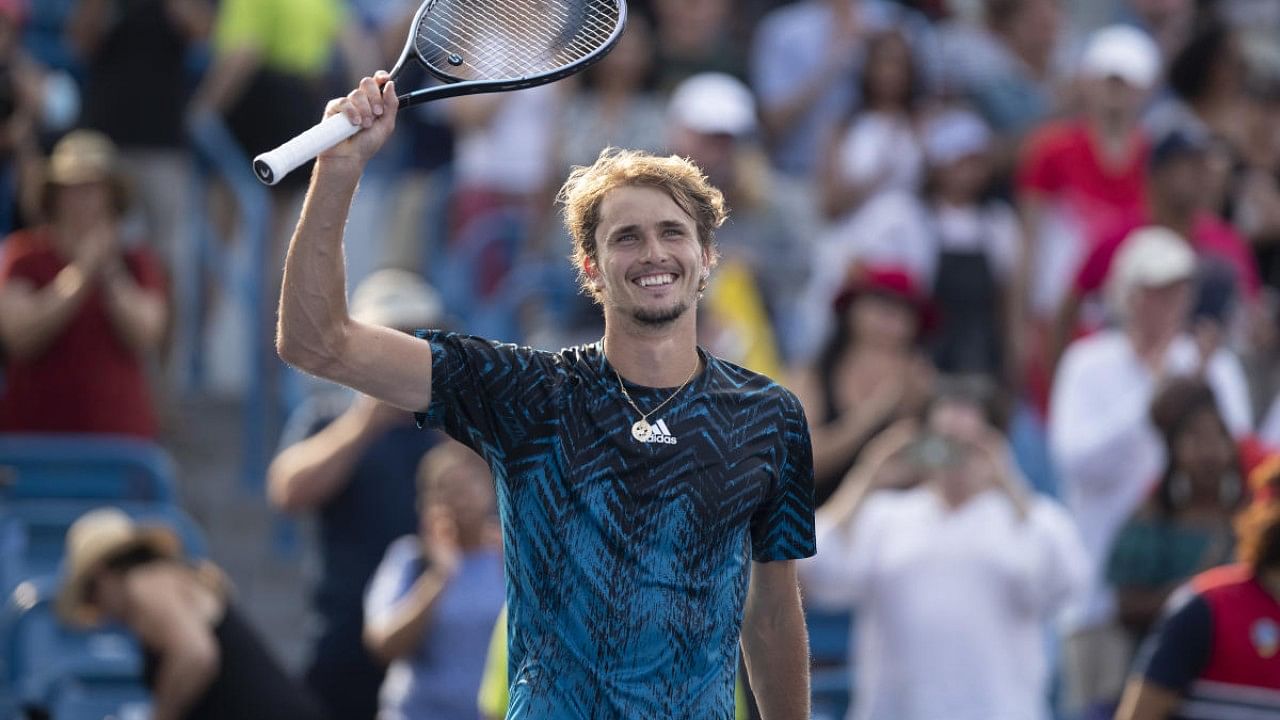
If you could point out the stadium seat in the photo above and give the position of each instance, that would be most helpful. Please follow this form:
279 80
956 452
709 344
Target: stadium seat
33 533
86 696
103 467
830 651
40 654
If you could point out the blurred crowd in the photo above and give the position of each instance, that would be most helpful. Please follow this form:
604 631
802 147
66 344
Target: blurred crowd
1020 259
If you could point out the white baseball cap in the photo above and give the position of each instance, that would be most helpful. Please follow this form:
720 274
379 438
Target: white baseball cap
953 135
1122 51
713 103
1149 257
397 299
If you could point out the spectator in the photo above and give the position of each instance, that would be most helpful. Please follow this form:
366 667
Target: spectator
975 247
959 242
872 371
805 62
1217 651
81 313
24 84
202 661
433 602
696 36
1185 526
1255 198
269 54
135 58
970 533
1103 442
1010 67
352 462
505 160
1208 79
878 149
1175 189
766 240
1080 176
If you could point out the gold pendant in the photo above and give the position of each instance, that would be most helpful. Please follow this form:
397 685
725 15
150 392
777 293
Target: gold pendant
641 431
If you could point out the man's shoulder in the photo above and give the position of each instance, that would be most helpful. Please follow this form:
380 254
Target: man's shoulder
752 392
1105 347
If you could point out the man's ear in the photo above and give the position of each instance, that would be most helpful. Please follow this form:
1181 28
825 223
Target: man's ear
592 272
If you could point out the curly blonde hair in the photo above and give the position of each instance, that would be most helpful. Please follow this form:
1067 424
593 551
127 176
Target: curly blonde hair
583 193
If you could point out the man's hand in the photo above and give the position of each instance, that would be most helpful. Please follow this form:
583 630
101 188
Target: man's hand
440 540
372 106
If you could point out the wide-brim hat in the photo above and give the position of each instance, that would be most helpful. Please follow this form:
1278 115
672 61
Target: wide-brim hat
890 282
86 156
94 538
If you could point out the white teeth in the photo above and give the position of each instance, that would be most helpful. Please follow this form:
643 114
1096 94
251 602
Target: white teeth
652 280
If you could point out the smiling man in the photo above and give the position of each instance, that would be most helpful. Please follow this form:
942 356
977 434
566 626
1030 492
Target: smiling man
653 497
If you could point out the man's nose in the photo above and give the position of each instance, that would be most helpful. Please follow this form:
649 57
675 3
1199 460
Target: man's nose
652 248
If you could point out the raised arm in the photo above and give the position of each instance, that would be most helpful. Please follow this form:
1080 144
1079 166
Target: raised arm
316 334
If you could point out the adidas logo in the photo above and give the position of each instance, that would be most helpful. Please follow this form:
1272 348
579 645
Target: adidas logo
661 434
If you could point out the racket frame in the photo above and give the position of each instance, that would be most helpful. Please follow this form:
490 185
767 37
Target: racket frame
454 86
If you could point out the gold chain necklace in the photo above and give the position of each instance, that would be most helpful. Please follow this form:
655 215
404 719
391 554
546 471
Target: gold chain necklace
641 430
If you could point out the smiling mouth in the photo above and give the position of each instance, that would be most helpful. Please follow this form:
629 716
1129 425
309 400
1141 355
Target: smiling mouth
655 280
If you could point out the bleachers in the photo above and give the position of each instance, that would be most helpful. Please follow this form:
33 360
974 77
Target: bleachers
84 467
829 647
42 656
46 483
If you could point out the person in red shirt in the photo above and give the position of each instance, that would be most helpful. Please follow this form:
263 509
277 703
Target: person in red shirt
1216 654
1175 191
80 315
1077 177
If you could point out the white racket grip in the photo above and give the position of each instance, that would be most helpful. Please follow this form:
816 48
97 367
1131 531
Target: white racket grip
273 165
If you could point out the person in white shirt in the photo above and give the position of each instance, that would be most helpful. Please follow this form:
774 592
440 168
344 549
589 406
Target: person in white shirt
953 580
1107 452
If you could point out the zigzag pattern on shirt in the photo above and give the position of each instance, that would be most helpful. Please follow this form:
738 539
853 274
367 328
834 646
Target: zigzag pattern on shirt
627 562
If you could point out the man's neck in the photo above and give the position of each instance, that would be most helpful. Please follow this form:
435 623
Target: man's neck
663 357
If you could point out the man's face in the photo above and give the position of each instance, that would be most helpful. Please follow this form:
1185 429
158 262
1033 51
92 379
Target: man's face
1114 100
1160 311
86 202
1180 181
649 263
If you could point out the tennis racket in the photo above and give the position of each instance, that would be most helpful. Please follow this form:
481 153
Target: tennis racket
477 46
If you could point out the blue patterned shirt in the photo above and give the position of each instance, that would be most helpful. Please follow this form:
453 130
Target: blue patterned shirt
627 562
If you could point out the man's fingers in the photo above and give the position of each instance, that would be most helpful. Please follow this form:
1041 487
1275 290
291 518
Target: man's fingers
390 102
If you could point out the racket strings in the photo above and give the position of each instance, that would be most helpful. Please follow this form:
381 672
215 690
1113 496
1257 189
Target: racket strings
497 40
492 56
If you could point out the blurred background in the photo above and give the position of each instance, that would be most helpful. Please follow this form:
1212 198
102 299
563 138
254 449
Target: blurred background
1064 205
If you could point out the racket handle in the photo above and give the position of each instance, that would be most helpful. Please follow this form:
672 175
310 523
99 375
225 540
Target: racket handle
273 165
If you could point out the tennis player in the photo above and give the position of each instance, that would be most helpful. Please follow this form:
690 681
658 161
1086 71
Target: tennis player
653 497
